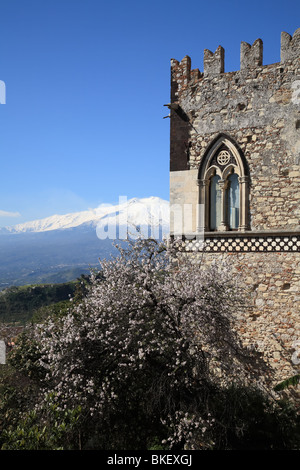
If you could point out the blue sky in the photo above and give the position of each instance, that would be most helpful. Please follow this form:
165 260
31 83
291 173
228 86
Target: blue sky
86 81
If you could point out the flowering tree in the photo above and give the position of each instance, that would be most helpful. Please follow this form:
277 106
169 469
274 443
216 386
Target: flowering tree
146 350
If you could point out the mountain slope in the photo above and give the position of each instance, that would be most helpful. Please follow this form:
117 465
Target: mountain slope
135 211
61 247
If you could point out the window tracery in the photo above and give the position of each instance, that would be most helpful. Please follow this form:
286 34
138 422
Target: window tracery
223 181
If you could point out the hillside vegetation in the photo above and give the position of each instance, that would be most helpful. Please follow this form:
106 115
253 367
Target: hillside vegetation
26 303
146 355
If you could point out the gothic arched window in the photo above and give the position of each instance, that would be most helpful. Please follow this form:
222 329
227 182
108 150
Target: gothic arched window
223 181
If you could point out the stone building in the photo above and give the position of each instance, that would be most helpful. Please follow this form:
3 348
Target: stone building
235 154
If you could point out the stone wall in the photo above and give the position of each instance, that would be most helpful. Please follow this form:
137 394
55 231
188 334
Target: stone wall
258 107
270 324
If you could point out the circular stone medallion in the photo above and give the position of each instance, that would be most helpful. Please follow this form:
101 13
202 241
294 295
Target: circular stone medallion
223 158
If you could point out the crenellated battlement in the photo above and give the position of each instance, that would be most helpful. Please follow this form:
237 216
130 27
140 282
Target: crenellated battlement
214 62
251 57
290 46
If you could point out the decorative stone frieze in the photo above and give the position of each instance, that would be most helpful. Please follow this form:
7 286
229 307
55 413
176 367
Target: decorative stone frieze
249 242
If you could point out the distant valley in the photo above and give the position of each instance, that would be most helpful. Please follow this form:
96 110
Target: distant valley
33 258
61 248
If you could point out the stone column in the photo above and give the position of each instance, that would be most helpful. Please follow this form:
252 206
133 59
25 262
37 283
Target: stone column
224 209
244 195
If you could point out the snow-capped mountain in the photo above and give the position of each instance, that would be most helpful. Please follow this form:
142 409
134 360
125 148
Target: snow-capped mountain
152 212
61 247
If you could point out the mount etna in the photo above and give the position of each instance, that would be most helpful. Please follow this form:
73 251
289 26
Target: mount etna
62 247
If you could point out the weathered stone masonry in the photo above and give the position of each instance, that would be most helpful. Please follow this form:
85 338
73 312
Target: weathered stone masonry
241 130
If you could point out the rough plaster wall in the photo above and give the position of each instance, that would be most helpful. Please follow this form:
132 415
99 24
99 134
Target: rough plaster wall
184 197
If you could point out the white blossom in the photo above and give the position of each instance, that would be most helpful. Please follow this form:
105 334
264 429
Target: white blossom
149 306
